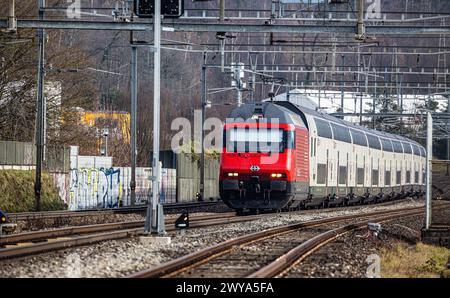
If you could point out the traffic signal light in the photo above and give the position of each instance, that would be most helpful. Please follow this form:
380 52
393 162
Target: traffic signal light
169 8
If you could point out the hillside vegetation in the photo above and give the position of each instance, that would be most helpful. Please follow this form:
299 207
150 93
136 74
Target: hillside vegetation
17 192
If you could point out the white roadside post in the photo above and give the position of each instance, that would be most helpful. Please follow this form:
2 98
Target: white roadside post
429 169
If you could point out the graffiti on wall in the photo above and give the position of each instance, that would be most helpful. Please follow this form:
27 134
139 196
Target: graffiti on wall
87 188
95 188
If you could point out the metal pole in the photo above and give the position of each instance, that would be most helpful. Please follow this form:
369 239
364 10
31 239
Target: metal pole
237 77
375 96
319 97
401 104
239 97
133 121
360 24
361 107
222 10
156 215
106 145
40 111
429 169
12 11
358 76
342 86
12 20
448 137
202 161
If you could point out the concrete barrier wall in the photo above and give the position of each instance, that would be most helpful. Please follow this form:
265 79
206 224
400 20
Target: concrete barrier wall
88 188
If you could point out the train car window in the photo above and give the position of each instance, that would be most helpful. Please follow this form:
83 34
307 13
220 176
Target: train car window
321 173
387 145
360 176
424 152
260 140
416 177
341 133
387 178
407 148
342 175
416 150
374 142
399 177
289 136
375 177
323 129
359 138
230 146
397 147
315 148
408 177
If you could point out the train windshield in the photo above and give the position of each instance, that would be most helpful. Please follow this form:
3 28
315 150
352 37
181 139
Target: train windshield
261 140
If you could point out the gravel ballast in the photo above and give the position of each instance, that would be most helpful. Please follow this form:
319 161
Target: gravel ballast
120 258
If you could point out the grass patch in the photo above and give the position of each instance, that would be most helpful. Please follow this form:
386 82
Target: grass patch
17 192
418 261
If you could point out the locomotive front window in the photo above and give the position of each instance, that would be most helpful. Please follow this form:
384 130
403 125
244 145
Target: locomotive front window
261 140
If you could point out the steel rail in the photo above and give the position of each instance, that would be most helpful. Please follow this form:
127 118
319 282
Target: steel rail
93 212
196 258
36 236
300 252
26 249
86 229
27 239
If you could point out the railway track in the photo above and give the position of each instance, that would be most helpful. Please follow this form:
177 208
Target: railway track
269 252
123 210
111 211
23 244
29 243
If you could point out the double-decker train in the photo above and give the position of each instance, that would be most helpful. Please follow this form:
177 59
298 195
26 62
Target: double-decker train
279 155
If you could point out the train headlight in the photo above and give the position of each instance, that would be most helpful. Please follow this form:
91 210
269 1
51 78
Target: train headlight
277 175
3 218
233 174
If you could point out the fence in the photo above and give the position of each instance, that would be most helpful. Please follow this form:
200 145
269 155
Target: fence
188 177
21 155
17 153
440 179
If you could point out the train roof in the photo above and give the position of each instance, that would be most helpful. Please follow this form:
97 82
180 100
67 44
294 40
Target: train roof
303 110
267 110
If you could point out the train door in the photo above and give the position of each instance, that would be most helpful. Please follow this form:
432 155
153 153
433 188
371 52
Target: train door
375 175
331 186
367 172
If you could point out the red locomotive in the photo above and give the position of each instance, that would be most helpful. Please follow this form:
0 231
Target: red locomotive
278 155
265 158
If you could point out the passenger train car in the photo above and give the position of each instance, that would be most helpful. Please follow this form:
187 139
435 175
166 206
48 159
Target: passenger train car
279 155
